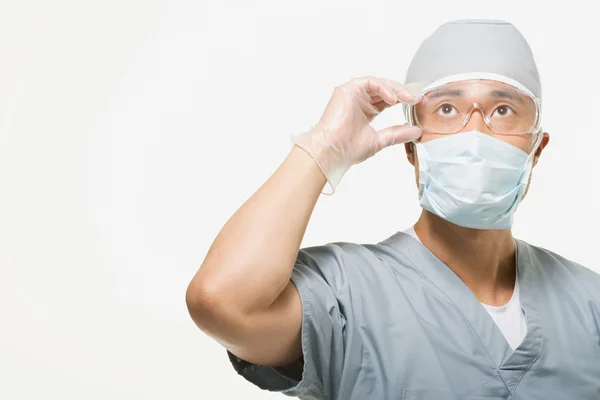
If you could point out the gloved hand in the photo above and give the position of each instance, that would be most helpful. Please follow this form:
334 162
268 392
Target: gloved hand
344 137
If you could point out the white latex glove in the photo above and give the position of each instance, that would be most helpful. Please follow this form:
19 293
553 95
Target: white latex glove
344 137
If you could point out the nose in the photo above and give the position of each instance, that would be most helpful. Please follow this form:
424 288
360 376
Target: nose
476 121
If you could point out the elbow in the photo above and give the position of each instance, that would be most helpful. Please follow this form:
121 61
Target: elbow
202 302
212 315
208 303
202 290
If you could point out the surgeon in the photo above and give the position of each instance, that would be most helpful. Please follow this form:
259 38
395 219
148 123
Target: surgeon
452 308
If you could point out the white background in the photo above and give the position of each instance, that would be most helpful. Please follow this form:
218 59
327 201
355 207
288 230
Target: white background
130 131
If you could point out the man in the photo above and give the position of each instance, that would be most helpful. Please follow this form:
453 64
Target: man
454 308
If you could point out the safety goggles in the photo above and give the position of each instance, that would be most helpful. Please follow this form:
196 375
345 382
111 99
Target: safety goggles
506 110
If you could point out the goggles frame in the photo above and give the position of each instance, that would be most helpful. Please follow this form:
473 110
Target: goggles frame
536 128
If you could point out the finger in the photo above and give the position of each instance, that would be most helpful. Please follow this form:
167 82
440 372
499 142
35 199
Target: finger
398 134
380 106
371 110
414 89
376 87
384 92
408 93
376 99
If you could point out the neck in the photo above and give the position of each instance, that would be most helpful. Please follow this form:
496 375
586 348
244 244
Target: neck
483 259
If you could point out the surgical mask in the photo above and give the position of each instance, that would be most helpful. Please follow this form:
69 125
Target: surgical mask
472 179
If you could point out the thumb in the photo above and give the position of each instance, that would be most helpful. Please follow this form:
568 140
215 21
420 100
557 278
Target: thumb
398 134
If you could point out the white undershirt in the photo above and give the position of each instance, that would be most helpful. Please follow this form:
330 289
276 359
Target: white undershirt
510 318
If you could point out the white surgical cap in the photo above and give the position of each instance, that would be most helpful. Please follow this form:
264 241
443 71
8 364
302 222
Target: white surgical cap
476 49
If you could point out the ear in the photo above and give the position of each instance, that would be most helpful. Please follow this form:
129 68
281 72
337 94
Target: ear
542 146
410 152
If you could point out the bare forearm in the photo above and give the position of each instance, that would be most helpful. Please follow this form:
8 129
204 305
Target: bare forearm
252 258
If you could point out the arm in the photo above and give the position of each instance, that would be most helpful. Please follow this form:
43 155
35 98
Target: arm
241 297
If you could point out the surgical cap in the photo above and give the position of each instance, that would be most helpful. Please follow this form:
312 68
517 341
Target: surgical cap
476 49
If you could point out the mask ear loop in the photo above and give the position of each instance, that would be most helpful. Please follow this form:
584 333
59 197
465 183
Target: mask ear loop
529 163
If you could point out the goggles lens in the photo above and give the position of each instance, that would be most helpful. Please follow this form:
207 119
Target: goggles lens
505 110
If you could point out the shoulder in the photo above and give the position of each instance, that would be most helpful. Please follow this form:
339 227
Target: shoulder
337 264
336 251
552 263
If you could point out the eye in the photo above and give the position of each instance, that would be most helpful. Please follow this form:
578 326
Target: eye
503 111
446 110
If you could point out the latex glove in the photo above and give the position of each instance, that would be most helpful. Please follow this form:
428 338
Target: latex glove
344 137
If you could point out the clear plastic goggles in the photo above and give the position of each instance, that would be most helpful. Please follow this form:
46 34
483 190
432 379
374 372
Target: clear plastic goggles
447 109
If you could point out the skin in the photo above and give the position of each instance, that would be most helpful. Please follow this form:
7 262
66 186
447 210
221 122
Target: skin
490 271
247 302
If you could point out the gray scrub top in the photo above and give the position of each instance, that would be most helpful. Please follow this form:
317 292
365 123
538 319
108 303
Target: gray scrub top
391 321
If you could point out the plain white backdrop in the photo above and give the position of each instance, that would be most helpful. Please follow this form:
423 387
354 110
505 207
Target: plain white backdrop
131 130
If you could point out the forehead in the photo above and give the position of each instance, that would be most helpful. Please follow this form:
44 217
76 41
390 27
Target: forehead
477 88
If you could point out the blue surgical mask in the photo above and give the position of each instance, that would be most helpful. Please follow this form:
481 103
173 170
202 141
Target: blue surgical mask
472 179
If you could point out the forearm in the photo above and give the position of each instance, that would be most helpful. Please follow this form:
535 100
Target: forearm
252 258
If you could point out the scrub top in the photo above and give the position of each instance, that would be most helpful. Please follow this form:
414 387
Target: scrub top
509 317
391 321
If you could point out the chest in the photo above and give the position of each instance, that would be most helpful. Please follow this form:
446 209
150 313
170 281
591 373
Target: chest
427 345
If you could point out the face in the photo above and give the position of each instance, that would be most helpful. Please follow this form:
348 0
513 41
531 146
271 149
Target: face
491 107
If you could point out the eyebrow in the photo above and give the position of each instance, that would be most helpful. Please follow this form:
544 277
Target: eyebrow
508 95
495 93
450 92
